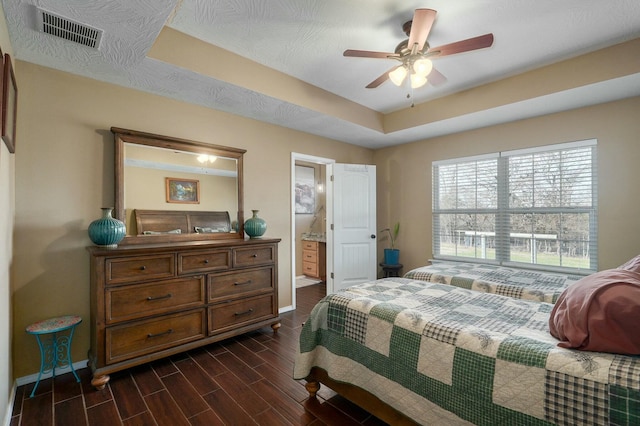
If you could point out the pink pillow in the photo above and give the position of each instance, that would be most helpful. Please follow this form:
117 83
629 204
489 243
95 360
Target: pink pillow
600 312
632 264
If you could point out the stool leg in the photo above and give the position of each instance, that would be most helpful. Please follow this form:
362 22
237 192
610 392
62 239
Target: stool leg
54 362
69 361
42 365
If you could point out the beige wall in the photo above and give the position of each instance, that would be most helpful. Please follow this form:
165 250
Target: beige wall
64 174
404 174
7 201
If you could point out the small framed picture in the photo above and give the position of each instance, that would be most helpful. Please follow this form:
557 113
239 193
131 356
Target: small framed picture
9 104
186 191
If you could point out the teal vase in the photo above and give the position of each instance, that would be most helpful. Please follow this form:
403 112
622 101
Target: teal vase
107 231
255 227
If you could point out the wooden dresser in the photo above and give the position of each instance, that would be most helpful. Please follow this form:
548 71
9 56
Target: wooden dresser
314 259
151 301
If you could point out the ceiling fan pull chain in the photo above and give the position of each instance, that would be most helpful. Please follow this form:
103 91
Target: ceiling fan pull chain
410 94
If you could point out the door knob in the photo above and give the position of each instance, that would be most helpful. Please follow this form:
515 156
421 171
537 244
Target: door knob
373 236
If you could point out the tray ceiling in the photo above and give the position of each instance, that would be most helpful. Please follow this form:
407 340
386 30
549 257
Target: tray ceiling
281 61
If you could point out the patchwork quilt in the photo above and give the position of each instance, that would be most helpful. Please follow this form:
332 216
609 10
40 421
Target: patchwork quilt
512 282
446 355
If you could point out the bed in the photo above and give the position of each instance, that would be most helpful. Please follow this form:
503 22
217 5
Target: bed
513 282
418 352
155 222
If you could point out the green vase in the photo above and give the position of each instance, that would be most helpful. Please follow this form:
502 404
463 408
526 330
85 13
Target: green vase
255 227
107 231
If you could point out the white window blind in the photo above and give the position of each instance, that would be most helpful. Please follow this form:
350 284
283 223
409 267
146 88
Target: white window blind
534 207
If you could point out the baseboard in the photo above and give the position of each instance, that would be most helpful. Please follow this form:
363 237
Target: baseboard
285 309
32 378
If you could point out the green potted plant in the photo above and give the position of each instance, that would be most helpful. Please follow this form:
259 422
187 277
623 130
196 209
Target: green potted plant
392 254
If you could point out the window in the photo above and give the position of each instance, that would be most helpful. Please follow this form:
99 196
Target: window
534 207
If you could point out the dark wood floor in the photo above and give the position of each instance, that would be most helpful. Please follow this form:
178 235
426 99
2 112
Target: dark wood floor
242 381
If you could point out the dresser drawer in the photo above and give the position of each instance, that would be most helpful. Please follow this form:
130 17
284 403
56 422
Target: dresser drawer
309 256
131 269
310 245
225 316
254 256
137 301
234 284
310 269
144 337
213 260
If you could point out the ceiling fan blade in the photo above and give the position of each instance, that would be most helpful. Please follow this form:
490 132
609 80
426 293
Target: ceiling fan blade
369 54
435 78
421 27
384 77
473 43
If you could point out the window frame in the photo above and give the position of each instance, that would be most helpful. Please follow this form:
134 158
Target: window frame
503 211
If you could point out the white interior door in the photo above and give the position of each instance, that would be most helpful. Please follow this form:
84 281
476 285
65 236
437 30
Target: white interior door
351 229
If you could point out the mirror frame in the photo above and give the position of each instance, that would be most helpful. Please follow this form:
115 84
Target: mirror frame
122 136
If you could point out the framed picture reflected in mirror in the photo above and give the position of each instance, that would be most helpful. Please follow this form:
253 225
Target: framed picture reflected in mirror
186 191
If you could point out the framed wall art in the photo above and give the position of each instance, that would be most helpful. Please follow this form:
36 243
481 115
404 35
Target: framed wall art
305 190
9 104
185 191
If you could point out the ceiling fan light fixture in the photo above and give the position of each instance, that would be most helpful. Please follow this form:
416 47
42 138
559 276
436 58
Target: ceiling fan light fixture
415 52
418 80
397 76
203 158
423 67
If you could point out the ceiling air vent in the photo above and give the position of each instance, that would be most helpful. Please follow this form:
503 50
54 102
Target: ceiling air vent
59 26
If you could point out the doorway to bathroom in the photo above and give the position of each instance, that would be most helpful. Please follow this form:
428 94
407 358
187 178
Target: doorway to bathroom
309 220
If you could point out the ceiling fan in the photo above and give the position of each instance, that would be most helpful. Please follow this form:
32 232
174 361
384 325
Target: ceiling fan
414 53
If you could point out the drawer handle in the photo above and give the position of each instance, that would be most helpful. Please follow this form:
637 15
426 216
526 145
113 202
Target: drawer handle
166 296
244 313
206 261
243 283
142 268
254 255
169 331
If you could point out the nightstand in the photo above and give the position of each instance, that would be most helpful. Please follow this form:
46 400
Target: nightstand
391 270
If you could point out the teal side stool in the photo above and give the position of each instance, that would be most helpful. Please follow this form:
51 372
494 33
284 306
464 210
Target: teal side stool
55 351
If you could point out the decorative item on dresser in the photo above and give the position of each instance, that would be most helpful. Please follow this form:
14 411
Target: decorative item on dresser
314 259
255 226
152 301
107 231
143 160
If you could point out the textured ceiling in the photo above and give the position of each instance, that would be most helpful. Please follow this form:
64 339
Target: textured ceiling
305 40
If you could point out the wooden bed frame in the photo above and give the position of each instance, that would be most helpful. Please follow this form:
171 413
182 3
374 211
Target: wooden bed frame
165 221
358 396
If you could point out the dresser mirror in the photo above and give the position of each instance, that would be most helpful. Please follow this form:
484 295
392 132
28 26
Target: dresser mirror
165 180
